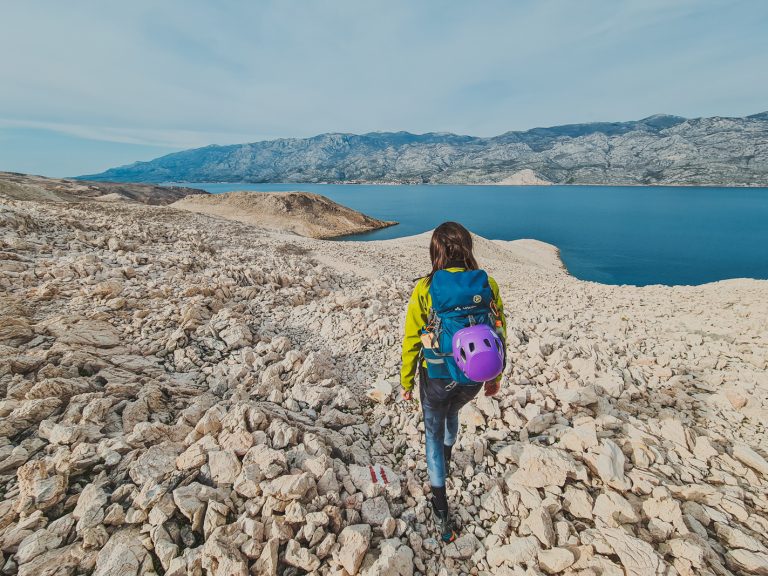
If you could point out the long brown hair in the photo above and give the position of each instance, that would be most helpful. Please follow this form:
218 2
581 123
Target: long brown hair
451 245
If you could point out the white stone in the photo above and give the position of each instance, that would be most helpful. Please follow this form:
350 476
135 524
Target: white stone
555 560
703 449
613 509
354 541
518 550
540 524
381 392
582 396
463 547
224 467
123 555
375 511
300 557
289 487
608 463
267 563
540 467
751 458
493 501
748 561
637 557
578 502
394 559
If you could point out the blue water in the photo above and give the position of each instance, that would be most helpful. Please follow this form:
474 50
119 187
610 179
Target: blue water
609 234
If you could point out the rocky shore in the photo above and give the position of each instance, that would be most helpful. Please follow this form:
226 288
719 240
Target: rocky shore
302 213
190 395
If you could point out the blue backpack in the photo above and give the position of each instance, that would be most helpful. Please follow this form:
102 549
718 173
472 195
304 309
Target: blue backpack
459 299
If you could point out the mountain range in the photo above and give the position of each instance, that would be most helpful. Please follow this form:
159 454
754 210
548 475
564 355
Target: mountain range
658 150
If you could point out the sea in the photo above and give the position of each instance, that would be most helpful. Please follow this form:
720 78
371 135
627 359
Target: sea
610 234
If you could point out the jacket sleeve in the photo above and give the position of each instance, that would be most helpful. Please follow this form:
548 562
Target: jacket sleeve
415 319
500 307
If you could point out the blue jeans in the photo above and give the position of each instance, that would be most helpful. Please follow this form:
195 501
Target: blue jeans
441 401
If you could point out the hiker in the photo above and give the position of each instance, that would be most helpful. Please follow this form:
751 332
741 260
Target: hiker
454 337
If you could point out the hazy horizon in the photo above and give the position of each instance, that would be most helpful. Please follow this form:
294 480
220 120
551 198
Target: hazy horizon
92 86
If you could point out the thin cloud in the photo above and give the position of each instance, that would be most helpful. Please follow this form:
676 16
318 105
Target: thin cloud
160 138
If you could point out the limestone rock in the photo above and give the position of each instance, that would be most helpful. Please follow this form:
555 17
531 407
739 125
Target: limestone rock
354 541
493 501
578 502
472 417
300 557
266 462
608 462
518 550
236 335
555 560
155 464
289 487
221 556
687 549
583 396
394 559
613 509
540 467
89 511
15 331
84 332
463 547
703 449
637 557
736 538
672 429
36 544
224 466
540 524
375 511
380 392
64 560
123 555
375 479
748 561
268 560
168 404
40 487
751 458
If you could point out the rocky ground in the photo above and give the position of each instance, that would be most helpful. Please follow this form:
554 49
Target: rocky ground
184 395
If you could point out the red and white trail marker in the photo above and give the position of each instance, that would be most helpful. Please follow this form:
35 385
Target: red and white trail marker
378 475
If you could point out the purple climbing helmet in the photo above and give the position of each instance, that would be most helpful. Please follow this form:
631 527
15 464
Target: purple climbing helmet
478 352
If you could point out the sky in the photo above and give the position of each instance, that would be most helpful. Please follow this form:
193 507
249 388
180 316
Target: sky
89 85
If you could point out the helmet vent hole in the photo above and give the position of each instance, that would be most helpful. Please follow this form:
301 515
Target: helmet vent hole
471 346
487 342
463 354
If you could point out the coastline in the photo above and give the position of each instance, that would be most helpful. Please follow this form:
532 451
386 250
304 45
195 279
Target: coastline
303 213
383 224
392 183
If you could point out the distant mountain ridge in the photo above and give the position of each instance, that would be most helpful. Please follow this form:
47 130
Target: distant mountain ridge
16 186
658 150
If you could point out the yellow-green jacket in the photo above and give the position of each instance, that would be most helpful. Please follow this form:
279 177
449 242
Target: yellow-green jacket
416 318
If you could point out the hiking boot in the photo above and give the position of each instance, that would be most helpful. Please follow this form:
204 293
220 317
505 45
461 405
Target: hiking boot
444 524
447 455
